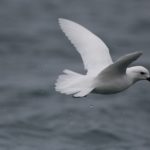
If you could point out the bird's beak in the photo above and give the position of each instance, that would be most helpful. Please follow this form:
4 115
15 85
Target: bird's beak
148 79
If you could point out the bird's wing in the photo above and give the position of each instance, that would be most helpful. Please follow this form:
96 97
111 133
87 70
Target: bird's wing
94 52
120 66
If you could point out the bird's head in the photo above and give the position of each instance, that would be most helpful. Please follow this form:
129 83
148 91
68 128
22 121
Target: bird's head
137 73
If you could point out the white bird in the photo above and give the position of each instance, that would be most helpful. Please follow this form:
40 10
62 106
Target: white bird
103 75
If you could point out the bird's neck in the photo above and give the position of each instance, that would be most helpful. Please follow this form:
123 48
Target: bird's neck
130 76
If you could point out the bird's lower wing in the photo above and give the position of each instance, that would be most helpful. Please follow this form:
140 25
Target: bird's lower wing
94 52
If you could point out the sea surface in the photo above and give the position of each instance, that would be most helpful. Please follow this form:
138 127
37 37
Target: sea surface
34 51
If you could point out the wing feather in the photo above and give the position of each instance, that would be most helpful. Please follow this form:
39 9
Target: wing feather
119 67
94 52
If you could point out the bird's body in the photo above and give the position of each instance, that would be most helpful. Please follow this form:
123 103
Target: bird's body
103 75
106 85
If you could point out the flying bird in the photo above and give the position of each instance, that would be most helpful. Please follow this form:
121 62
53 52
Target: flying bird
103 75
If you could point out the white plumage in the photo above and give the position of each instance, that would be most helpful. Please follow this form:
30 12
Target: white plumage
94 52
103 76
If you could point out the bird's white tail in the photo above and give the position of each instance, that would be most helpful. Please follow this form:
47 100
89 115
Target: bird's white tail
74 83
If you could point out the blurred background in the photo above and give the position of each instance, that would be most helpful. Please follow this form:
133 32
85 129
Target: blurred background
34 51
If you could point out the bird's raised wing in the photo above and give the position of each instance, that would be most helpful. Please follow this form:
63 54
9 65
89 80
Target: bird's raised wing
120 66
94 52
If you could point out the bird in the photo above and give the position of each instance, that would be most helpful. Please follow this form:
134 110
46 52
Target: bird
103 76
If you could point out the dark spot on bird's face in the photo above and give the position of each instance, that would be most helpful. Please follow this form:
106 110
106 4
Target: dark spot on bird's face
142 73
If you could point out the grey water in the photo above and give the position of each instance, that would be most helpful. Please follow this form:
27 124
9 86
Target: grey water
34 51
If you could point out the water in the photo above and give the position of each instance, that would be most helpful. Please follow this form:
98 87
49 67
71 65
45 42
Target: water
33 52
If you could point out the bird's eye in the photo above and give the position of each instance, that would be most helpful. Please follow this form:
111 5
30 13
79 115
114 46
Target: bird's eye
142 73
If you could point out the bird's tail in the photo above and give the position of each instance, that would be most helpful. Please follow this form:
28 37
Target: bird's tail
74 83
